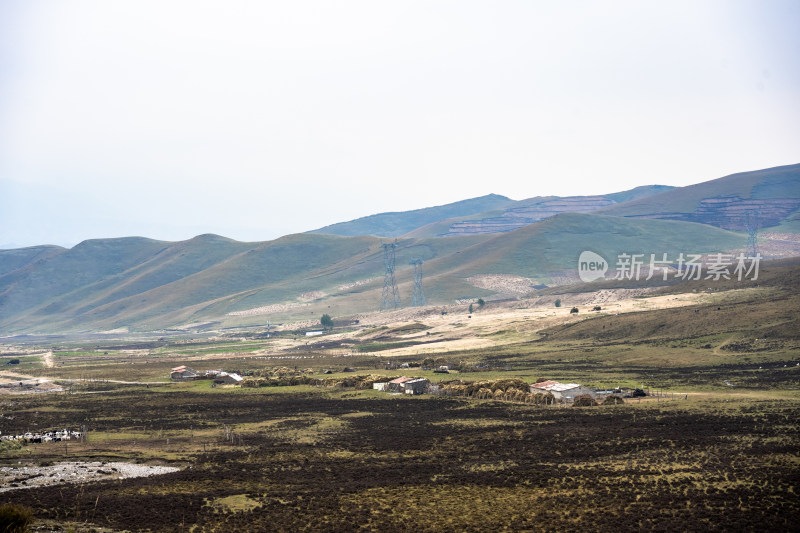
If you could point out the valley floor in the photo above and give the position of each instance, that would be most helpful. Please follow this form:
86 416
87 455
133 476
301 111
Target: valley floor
719 449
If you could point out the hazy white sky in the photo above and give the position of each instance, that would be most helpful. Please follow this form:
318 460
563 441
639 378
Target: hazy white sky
255 119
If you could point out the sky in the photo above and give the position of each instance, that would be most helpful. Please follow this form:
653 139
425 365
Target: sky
168 119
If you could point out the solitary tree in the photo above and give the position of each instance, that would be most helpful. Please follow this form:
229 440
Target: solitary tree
470 308
558 302
326 321
481 303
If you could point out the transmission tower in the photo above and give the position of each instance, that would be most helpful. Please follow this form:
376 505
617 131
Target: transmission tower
751 225
418 300
391 298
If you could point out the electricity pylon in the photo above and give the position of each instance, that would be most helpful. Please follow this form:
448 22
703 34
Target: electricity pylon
751 225
418 300
391 297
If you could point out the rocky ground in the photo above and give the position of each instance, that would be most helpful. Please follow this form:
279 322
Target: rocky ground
30 476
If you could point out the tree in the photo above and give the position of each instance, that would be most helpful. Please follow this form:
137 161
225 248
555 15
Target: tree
326 321
481 303
558 302
470 308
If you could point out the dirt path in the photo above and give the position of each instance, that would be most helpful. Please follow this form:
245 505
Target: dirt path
16 376
47 359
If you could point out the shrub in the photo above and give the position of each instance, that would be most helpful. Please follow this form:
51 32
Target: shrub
558 302
15 518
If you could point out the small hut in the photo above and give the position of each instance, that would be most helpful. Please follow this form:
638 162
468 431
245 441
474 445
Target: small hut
183 373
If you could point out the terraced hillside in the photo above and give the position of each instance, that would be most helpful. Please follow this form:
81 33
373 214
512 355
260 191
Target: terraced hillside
771 195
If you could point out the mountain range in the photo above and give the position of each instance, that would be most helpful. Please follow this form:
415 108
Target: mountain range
141 284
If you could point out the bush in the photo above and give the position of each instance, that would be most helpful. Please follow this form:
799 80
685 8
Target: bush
15 518
558 302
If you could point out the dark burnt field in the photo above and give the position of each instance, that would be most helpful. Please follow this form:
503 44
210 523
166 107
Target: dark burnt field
347 461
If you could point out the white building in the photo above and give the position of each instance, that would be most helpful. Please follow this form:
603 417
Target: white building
562 391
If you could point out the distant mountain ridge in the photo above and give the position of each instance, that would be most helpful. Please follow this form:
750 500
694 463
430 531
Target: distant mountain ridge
769 196
399 223
533 210
483 215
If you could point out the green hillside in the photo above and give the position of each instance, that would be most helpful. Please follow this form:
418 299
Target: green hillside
146 285
555 244
644 191
67 270
399 223
11 260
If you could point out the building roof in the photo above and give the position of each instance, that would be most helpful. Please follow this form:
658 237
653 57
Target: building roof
543 384
561 387
399 380
415 380
555 386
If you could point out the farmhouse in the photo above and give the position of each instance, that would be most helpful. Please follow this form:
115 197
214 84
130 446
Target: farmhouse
415 386
396 385
183 373
224 378
562 391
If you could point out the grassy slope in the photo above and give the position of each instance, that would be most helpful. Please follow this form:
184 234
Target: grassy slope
86 263
532 251
777 182
150 284
556 243
11 260
400 223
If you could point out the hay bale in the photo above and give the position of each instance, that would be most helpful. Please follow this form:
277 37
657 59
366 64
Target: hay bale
584 401
613 400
